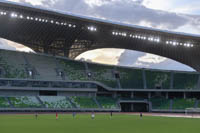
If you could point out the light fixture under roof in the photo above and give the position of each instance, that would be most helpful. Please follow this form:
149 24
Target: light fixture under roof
92 28
13 15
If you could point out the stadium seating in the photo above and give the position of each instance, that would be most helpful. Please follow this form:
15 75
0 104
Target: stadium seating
45 66
185 81
108 102
13 64
83 102
183 103
25 102
160 103
4 103
103 74
157 79
74 70
130 78
55 102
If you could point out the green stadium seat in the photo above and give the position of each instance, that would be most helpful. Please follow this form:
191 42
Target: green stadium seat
13 64
107 102
4 103
103 74
182 104
74 70
25 102
160 103
131 78
55 102
185 80
157 79
83 102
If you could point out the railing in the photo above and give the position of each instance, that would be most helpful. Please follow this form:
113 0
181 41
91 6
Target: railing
41 83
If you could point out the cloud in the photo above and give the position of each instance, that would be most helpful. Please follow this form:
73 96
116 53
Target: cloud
9 45
131 11
4 45
105 56
132 58
179 6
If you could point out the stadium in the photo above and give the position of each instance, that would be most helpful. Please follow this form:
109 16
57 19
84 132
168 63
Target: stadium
50 80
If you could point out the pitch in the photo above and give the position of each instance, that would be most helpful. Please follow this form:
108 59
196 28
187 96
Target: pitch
103 123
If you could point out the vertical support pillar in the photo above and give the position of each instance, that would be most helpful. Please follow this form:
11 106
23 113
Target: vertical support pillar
65 49
144 79
149 95
172 80
132 95
132 107
115 95
198 84
167 95
184 95
46 46
46 49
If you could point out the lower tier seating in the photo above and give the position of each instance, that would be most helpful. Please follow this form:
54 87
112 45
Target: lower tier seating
107 102
25 102
183 103
160 103
83 102
4 103
55 102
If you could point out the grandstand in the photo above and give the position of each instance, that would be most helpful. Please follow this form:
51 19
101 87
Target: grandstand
89 86
50 80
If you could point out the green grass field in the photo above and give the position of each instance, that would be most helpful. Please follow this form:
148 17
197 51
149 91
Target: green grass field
101 124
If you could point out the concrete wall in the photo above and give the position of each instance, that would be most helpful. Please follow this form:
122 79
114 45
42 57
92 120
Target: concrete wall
36 93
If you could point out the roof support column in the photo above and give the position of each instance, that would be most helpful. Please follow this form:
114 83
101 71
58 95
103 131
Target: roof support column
132 95
149 95
172 80
198 84
46 46
184 95
167 95
144 79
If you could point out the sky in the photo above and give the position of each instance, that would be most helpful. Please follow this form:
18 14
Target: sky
173 15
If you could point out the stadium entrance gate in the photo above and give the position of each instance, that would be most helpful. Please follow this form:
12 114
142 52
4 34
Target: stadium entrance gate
134 106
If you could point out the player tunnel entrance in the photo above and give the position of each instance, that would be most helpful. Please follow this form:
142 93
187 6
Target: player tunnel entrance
134 106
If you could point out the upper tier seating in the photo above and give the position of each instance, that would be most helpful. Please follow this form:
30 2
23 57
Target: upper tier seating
185 81
25 102
160 103
107 102
83 102
103 74
56 102
4 103
44 65
183 103
74 70
131 78
12 64
157 79
18 65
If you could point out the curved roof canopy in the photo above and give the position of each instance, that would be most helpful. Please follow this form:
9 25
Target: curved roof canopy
69 35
